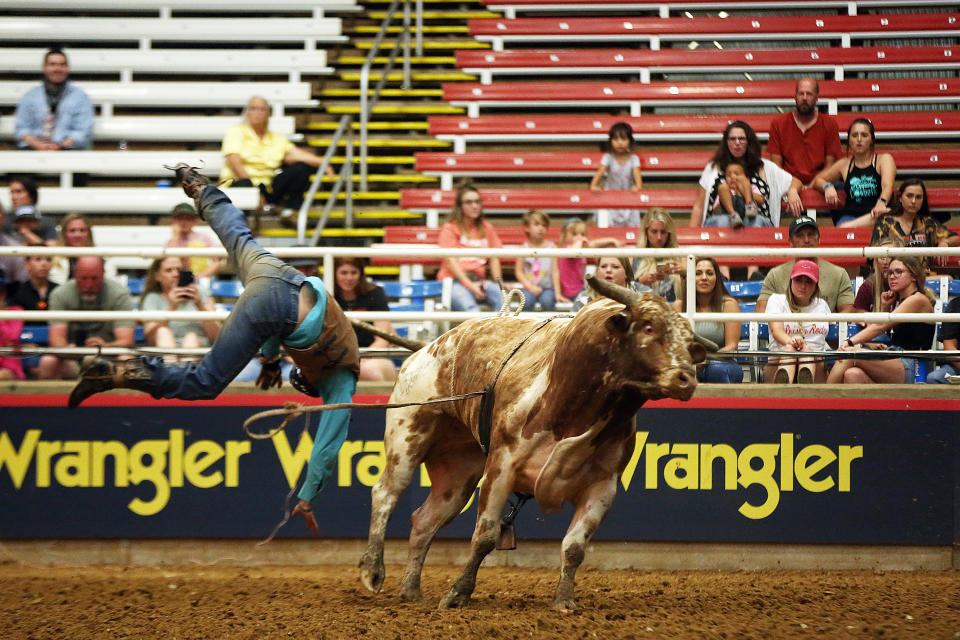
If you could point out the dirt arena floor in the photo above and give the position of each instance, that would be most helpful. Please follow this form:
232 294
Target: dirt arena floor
328 602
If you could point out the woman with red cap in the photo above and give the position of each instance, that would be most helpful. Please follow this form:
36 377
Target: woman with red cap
802 296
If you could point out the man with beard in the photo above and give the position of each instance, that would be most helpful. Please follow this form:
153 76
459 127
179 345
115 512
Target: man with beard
57 114
804 141
88 290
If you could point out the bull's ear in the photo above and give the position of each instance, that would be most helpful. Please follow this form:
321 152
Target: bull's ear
697 353
620 322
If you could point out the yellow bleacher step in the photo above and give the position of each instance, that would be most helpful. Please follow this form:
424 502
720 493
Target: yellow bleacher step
386 93
391 160
389 177
441 28
371 126
367 232
424 76
387 214
386 143
427 109
437 60
442 15
361 195
428 44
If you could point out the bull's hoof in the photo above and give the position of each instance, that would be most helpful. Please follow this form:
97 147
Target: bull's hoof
566 605
372 573
411 595
453 599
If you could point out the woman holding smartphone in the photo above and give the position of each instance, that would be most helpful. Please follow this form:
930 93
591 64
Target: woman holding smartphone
168 288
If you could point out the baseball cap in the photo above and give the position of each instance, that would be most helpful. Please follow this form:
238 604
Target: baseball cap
302 261
27 211
803 221
807 268
184 209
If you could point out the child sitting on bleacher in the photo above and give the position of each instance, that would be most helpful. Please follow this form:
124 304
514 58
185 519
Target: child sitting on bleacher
536 274
10 368
619 170
568 273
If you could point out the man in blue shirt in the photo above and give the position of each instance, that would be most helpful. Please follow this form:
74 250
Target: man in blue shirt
278 306
57 114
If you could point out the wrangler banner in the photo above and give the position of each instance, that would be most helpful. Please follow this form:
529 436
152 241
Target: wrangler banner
712 469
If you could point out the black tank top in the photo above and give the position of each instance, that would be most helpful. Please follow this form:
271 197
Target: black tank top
863 188
913 336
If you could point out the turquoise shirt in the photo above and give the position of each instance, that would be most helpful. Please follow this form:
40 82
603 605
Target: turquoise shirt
309 330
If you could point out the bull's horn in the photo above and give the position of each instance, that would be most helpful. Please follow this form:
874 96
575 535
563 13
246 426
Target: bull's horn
708 344
406 343
613 291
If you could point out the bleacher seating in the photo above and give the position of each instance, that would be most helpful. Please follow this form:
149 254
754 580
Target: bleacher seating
904 125
143 31
113 163
178 94
434 201
188 129
151 236
164 8
125 200
657 163
645 62
131 62
841 28
740 93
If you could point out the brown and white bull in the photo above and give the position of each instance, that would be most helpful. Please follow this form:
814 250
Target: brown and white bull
562 425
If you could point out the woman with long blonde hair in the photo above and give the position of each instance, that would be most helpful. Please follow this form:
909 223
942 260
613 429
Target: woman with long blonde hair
658 275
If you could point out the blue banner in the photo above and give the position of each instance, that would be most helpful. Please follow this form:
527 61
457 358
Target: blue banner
736 470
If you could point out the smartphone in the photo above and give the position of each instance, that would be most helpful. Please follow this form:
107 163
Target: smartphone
186 279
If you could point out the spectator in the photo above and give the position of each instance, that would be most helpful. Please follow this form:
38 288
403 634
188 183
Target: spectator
802 296
33 294
950 336
907 294
834 283
184 217
257 157
24 193
737 198
740 142
162 291
868 294
658 275
10 368
536 274
27 227
619 170
867 179
804 141
57 114
617 270
89 290
912 224
713 297
75 231
354 292
568 273
467 228
12 266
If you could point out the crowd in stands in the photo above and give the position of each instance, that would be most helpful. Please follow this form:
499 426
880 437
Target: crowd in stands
737 188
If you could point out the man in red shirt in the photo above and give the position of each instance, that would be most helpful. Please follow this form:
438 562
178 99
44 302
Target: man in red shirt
804 141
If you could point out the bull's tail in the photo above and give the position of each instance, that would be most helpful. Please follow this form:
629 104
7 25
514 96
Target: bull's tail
406 343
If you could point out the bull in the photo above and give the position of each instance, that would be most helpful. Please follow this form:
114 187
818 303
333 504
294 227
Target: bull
562 425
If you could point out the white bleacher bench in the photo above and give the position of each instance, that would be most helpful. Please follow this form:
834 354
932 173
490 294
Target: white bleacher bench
309 31
108 235
112 163
167 128
121 200
178 94
129 62
164 8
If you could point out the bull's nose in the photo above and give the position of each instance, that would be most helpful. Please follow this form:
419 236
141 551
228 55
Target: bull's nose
683 380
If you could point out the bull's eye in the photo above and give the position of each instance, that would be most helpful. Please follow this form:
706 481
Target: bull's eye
648 328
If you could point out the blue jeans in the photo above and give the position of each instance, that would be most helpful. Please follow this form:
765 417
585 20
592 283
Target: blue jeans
267 307
721 372
462 300
940 375
723 220
547 300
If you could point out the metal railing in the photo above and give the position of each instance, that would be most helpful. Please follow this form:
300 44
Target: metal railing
367 104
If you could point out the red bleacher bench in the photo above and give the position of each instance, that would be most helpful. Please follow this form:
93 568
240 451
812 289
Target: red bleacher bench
744 27
673 127
745 93
627 236
666 163
643 62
